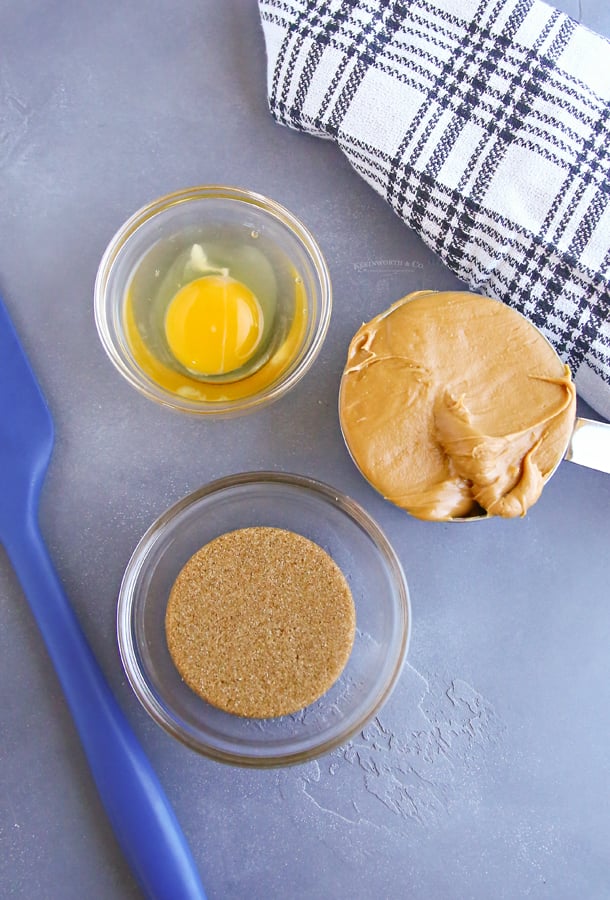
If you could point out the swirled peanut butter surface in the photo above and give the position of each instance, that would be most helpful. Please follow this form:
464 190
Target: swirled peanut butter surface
454 405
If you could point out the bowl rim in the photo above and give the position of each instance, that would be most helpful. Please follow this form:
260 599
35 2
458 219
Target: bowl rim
135 376
155 532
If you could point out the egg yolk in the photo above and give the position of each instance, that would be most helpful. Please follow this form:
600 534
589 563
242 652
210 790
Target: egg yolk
213 325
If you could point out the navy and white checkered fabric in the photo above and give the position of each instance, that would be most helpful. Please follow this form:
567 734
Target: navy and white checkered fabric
486 125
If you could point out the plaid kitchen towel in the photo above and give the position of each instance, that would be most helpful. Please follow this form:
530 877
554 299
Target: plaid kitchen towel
486 126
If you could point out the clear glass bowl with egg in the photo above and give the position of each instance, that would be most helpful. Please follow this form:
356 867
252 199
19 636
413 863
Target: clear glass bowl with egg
212 300
355 543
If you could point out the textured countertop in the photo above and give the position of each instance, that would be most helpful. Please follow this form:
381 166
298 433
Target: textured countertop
487 772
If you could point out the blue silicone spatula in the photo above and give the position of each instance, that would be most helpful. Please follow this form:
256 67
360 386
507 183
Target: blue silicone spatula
140 813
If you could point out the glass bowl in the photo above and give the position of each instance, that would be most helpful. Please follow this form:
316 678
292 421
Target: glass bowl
263 239
383 617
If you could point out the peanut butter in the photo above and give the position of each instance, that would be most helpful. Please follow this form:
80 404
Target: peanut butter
453 405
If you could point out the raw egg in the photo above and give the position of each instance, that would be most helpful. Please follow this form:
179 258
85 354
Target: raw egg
214 325
215 319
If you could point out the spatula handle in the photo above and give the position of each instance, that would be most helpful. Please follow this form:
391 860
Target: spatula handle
140 813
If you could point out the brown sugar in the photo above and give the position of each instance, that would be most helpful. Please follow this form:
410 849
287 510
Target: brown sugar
260 622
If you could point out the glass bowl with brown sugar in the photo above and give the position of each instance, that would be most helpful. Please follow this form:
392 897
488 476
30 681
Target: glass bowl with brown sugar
264 619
